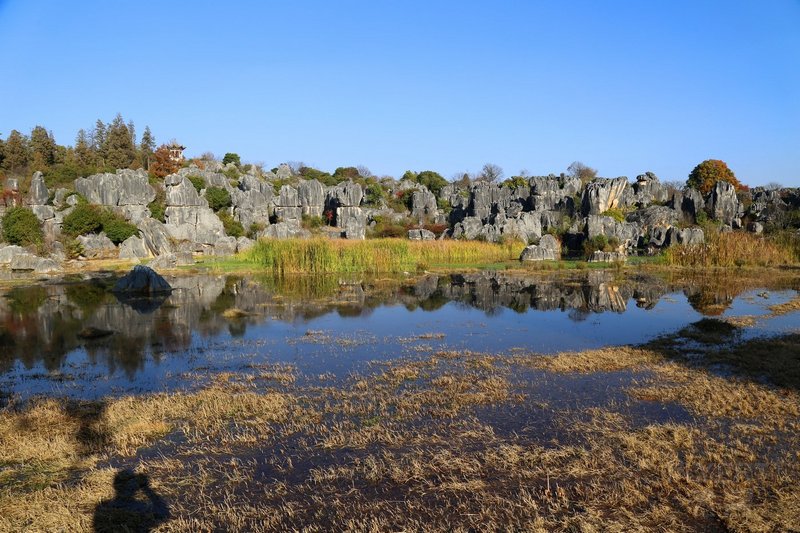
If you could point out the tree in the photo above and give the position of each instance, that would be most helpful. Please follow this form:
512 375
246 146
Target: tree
146 147
118 146
43 148
344 173
582 172
432 180
99 138
490 173
773 186
705 175
83 149
16 153
162 164
231 157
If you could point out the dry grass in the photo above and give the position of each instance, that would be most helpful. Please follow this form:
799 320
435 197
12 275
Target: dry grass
732 249
414 445
791 306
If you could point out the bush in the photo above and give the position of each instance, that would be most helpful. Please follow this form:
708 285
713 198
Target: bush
231 157
515 182
158 206
85 218
20 226
615 213
218 198
117 228
254 229
198 182
312 222
233 227
374 195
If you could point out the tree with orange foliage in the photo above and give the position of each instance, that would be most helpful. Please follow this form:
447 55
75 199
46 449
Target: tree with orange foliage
708 173
162 164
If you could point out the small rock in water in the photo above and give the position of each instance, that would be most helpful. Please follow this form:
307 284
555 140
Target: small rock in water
142 280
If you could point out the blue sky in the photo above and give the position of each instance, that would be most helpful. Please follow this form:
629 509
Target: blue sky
624 87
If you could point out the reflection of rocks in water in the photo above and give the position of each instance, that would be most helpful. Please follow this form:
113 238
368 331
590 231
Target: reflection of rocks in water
595 292
40 325
141 304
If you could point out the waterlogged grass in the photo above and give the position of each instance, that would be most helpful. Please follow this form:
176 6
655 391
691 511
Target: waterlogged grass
374 256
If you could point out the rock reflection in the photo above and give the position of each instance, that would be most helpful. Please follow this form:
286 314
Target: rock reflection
39 325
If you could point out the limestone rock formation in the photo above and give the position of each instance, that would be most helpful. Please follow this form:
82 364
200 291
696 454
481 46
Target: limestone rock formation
142 280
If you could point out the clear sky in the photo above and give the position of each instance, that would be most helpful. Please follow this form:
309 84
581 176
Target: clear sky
624 87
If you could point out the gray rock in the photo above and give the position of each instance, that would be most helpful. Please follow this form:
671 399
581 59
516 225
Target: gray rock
142 280
284 172
43 212
225 246
537 253
38 193
288 197
603 194
468 229
72 200
756 227
97 246
155 236
8 252
526 227
692 203
627 233
289 214
423 204
30 262
133 248
60 198
648 189
125 187
608 257
196 224
284 230
723 203
312 197
653 216
183 194
345 194
173 260
243 244
550 243
421 235
687 236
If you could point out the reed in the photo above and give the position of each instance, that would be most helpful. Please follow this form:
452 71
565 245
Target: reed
734 249
374 256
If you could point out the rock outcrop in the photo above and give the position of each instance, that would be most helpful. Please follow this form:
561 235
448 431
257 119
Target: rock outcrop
142 280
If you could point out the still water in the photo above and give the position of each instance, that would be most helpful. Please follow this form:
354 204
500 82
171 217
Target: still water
77 339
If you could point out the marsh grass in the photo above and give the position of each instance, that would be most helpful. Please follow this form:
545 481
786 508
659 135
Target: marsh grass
374 256
732 249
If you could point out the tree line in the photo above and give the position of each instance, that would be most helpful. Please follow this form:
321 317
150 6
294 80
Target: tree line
104 148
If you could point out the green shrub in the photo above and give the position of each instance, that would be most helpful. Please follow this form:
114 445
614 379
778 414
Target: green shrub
218 198
20 226
233 227
198 182
158 206
254 229
231 157
312 222
515 182
374 194
84 218
232 174
615 213
117 228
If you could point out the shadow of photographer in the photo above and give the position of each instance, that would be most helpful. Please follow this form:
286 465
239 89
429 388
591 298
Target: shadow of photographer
135 507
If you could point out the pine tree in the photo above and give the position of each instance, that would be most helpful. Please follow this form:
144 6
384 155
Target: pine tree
119 149
16 153
83 150
132 132
147 147
99 140
43 148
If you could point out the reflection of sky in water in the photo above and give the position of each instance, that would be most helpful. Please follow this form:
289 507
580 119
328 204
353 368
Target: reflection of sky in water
340 344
